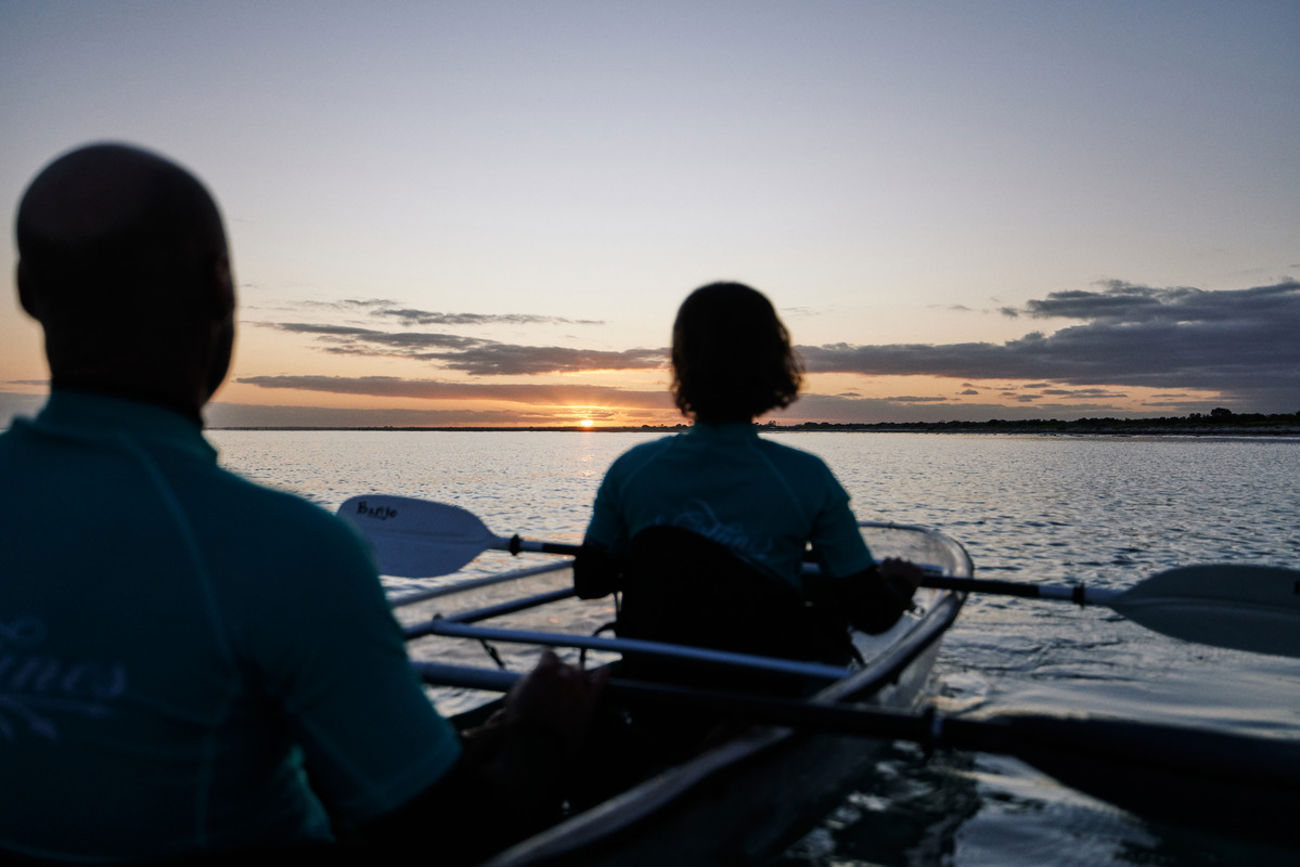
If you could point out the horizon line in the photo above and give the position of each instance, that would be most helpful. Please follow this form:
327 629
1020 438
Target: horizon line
1193 420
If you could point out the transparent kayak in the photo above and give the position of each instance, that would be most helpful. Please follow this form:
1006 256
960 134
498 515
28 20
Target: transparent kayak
736 801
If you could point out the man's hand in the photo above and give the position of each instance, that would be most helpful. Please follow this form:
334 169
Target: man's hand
556 699
515 766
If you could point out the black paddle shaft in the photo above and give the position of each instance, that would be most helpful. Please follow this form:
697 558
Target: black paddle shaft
1241 785
983 585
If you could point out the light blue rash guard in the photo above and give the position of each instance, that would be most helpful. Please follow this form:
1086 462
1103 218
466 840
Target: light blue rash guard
763 500
181 648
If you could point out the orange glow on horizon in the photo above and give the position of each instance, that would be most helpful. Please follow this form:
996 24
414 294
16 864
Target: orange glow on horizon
828 397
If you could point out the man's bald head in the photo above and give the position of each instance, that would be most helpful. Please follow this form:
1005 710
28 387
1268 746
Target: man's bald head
122 258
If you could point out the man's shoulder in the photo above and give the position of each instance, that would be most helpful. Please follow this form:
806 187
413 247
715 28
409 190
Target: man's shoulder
269 521
238 490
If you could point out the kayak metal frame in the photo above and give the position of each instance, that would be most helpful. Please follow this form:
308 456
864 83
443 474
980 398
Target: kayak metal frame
476 583
450 628
463 624
487 613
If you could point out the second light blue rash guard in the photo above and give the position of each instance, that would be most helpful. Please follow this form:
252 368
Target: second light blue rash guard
181 649
763 500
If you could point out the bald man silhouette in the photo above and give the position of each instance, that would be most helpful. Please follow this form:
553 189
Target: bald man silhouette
191 664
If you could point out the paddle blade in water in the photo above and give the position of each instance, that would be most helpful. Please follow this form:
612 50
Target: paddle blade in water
415 538
1234 784
1255 608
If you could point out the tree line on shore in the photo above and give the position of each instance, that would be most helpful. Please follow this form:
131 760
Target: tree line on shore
1216 420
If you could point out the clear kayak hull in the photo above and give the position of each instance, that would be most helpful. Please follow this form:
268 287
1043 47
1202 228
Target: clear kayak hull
743 798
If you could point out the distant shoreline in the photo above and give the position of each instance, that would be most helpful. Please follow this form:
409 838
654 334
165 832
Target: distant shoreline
1218 424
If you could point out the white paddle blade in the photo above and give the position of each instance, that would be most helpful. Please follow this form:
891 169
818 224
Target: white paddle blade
416 538
1255 608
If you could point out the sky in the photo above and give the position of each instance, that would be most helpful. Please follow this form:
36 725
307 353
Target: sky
487 213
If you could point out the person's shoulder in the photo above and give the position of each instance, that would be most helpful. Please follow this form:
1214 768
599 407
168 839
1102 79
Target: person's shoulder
654 446
263 498
273 521
791 456
642 453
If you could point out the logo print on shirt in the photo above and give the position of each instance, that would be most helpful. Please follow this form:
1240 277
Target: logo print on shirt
35 685
699 518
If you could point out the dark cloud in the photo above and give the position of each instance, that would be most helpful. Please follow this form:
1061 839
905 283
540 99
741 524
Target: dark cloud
384 308
472 354
219 415
1243 344
1084 392
408 316
1121 302
313 328
429 389
833 408
357 303
509 359
393 343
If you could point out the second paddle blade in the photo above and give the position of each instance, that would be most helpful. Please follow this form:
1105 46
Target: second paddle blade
416 538
1255 608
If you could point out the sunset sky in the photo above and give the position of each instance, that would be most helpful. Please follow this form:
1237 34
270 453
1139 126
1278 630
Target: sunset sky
486 213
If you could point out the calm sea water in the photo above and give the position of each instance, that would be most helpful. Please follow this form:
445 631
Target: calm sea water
1107 511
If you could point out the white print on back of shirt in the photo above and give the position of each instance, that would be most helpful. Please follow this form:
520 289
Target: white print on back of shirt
35 686
699 518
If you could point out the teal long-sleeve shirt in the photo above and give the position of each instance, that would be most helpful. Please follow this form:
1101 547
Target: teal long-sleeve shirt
181 648
763 500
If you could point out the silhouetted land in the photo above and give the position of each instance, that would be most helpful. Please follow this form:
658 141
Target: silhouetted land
1218 422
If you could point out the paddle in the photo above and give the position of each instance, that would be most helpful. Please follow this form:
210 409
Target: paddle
1230 782
422 539
1244 607
1254 608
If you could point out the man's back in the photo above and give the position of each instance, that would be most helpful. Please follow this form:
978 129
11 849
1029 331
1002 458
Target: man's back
177 643
190 663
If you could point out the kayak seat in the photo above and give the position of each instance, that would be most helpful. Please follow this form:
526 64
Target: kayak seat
680 587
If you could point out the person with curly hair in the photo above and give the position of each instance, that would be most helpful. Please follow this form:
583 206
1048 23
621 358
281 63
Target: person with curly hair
706 532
